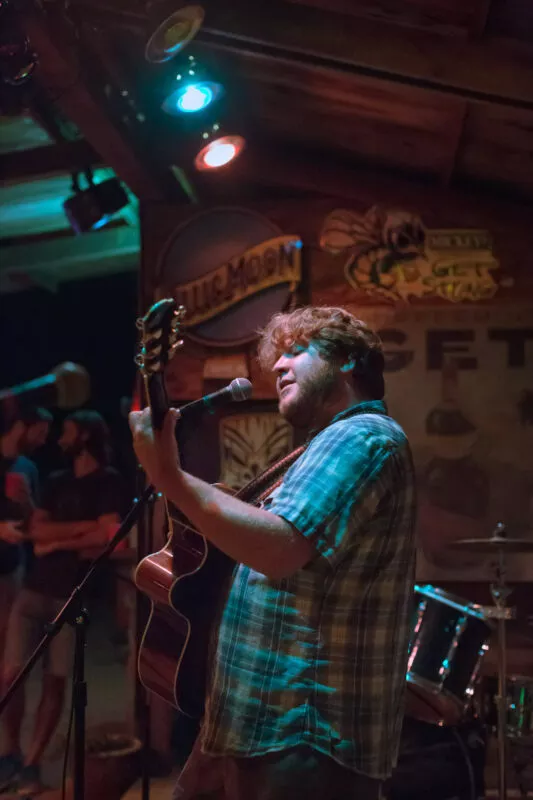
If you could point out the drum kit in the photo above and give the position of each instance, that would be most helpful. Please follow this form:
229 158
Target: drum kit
449 638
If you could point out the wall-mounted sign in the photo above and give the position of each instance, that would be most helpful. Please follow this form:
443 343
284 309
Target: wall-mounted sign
250 443
232 269
277 261
392 254
460 382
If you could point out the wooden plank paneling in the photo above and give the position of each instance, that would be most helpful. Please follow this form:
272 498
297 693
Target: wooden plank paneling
383 124
512 19
60 73
442 16
65 157
325 275
498 144
21 133
473 70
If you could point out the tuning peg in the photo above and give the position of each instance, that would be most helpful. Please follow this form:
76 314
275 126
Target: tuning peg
173 348
173 337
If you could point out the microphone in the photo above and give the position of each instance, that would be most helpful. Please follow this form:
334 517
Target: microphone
235 392
66 386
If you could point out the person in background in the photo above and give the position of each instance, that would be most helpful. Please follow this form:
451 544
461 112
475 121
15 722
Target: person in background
308 681
79 511
19 494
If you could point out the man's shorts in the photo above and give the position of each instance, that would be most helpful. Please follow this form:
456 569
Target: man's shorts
29 615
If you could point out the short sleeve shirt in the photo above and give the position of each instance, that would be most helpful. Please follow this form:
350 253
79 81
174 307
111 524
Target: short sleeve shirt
320 657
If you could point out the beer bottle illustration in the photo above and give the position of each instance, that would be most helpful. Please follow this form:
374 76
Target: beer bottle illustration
453 479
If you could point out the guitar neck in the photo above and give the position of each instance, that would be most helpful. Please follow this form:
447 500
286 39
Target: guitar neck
158 399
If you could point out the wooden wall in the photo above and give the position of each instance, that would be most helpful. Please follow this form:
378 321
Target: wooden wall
493 340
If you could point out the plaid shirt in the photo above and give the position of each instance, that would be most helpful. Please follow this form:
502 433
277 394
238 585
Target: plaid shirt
319 658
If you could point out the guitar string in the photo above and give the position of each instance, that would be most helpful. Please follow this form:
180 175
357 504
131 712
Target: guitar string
170 522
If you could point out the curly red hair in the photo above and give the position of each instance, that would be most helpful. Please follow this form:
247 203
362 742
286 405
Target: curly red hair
339 336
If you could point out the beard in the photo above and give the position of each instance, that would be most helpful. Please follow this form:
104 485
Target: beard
306 407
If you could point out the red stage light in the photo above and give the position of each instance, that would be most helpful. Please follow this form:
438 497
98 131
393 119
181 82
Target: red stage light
219 152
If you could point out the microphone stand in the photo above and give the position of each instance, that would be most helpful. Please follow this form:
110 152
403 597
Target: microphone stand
500 592
142 702
75 614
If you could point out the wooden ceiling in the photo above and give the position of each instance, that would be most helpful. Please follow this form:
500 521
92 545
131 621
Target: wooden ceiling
436 92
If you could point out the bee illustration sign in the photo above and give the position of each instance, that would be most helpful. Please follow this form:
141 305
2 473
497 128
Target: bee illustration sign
392 254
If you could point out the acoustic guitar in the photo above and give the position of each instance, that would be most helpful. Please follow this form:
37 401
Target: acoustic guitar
185 580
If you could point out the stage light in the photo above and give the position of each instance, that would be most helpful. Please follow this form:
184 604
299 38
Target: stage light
192 90
219 152
17 60
92 208
173 34
19 66
192 98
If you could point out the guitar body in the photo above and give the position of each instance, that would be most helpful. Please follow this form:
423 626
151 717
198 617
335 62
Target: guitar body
185 582
185 579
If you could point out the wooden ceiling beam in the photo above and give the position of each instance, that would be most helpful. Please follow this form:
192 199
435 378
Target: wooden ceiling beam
308 173
480 18
22 165
63 78
455 134
473 70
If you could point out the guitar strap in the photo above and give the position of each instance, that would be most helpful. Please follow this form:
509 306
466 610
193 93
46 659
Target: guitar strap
259 488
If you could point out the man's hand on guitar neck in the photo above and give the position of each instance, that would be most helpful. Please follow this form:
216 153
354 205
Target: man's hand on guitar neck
247 534
157 451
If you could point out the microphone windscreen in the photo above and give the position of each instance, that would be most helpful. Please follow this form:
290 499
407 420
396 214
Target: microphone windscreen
73 385
241 389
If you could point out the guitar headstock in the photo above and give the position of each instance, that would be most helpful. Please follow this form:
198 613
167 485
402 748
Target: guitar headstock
160 330
159 341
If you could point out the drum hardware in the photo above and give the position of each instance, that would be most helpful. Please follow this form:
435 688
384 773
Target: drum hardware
449 639
519 707
519 723
500 545
495 612
497 542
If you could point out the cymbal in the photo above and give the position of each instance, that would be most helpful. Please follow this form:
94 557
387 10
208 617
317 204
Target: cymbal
493 544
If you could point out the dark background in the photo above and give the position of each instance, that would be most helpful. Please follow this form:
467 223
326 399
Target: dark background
90 322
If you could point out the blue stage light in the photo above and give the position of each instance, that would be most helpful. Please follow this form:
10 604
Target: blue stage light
191 98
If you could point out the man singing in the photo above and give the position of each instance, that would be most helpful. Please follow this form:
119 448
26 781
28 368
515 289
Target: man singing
307 687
